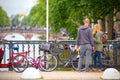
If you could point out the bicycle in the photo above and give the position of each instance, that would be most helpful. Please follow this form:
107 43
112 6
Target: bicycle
107 57
46 62
64 53
10 60
107 60
75 57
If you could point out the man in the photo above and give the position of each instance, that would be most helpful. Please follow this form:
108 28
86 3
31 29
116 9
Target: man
86 43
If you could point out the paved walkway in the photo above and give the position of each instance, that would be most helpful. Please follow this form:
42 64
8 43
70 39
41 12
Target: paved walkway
55 75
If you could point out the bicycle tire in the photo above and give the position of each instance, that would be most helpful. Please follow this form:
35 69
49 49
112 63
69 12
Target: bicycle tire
21 65
64 55
74 61
107 61
48 62
62 52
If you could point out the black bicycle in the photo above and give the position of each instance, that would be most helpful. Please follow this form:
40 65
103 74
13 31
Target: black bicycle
107 56
65 53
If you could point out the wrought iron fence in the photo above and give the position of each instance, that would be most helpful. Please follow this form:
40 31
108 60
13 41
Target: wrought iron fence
114 50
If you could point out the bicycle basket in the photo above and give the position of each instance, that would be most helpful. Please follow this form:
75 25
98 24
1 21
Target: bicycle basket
45 46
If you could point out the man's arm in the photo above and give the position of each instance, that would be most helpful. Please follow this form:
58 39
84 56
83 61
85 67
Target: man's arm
91 38
78 38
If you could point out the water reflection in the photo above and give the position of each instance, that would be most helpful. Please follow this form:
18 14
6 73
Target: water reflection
14 36
35 37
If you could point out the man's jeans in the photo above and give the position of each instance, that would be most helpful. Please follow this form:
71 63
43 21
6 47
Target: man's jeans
97 58
85 50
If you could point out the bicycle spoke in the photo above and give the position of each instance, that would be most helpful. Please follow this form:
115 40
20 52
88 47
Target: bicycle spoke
48 62
19 63
74 62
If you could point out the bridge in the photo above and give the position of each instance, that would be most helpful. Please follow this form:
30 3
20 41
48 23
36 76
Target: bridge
27 34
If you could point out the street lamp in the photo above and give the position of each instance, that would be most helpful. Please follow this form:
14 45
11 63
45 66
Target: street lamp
47 20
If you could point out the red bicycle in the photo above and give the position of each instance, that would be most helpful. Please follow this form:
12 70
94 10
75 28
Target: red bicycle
22 62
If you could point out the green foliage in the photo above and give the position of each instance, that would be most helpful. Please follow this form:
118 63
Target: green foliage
69 14
15 20
64 69
37 14
97 9
25 21
4 19
42 38
66 14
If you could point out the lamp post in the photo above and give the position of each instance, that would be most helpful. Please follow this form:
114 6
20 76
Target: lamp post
47 20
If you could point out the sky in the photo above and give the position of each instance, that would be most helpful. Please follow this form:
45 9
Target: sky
13 7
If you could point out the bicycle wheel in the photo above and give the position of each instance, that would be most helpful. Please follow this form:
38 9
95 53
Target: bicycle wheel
64 55
74 62
48 62
61 53
19 63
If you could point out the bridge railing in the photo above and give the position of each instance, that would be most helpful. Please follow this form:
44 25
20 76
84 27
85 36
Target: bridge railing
114 50
113 45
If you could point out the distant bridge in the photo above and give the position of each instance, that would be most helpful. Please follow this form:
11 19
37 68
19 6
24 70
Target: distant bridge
28 34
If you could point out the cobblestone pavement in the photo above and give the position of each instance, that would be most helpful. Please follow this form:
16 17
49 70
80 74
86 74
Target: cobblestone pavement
55 75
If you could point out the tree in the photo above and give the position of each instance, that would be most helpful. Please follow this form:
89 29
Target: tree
15 20
67 14
25 21
100 9
37 14
70 13
4 19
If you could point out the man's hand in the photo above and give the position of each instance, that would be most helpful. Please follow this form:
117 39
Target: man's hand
77 46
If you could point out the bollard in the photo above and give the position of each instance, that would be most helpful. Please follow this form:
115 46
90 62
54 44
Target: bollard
111 74
31 74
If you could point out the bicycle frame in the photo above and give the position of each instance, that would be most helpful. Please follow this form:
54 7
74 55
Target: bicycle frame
11 57
35 62
59 48
69 51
